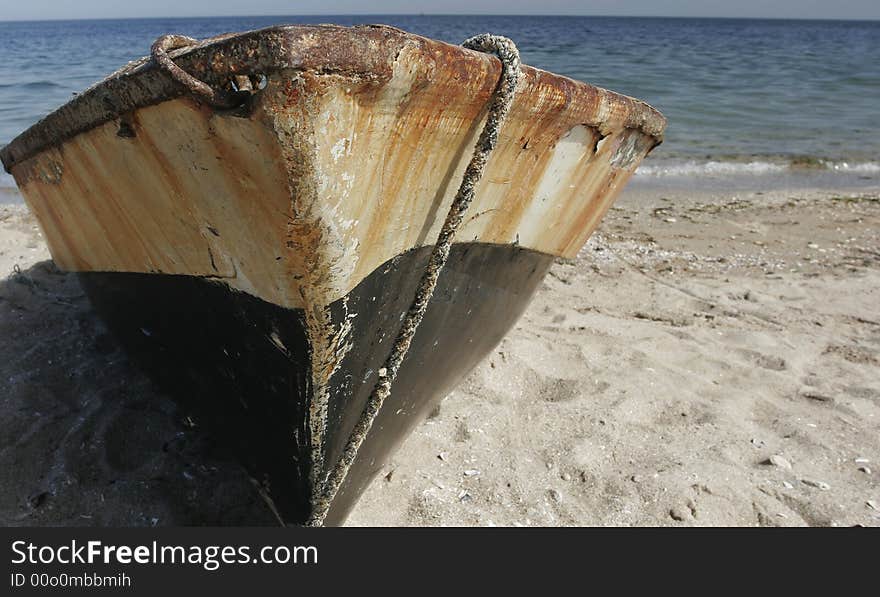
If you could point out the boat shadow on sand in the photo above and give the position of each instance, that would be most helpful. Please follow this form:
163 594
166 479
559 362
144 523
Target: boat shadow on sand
86 438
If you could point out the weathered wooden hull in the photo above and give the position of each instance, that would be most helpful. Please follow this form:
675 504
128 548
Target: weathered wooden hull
258 260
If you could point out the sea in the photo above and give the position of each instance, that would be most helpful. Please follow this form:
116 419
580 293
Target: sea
749 102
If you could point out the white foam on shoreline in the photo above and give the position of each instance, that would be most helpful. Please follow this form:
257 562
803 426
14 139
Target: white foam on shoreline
866 167
754 168
693 168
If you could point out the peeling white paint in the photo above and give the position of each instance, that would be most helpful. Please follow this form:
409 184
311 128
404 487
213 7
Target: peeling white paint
339 149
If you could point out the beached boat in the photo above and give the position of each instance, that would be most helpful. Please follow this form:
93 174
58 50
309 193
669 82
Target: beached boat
254 215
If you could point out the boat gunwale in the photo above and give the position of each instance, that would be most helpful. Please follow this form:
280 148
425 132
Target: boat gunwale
361 50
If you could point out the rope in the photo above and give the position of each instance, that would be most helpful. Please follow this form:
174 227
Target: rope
218 98
506 51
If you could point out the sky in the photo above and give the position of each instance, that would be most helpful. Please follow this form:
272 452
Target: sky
91 9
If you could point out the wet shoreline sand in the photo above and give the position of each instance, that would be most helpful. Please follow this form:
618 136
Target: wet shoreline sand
710 358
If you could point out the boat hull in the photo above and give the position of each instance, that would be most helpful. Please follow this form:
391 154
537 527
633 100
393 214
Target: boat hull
241 365
258 260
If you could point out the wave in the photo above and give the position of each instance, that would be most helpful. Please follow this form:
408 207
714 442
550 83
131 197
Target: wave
754 168
32 85
694 168
864 167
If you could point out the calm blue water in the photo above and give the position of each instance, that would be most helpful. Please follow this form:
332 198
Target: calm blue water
740 95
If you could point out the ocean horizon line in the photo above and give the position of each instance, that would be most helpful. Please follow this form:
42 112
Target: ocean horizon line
458 15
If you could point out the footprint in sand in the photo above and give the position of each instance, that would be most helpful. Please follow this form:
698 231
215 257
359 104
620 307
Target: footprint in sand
564 390
862 392
853 354
773 363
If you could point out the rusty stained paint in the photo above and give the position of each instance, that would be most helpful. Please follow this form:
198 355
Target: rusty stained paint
313 255
332 173
189 194
389 158
364 50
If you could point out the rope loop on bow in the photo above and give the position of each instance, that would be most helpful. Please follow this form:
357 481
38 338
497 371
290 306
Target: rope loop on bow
218 98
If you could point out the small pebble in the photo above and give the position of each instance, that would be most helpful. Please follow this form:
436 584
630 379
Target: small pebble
819 484
787 485
777 460
818 397
861 460
555 495
471 472
442 455
679 513
566 477
865 470
873 505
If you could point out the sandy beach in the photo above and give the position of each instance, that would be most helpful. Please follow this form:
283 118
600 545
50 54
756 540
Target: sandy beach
708 359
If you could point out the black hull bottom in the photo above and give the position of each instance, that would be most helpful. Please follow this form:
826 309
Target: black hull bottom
242 365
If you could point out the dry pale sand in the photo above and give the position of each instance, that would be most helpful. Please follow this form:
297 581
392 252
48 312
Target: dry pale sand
707 360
